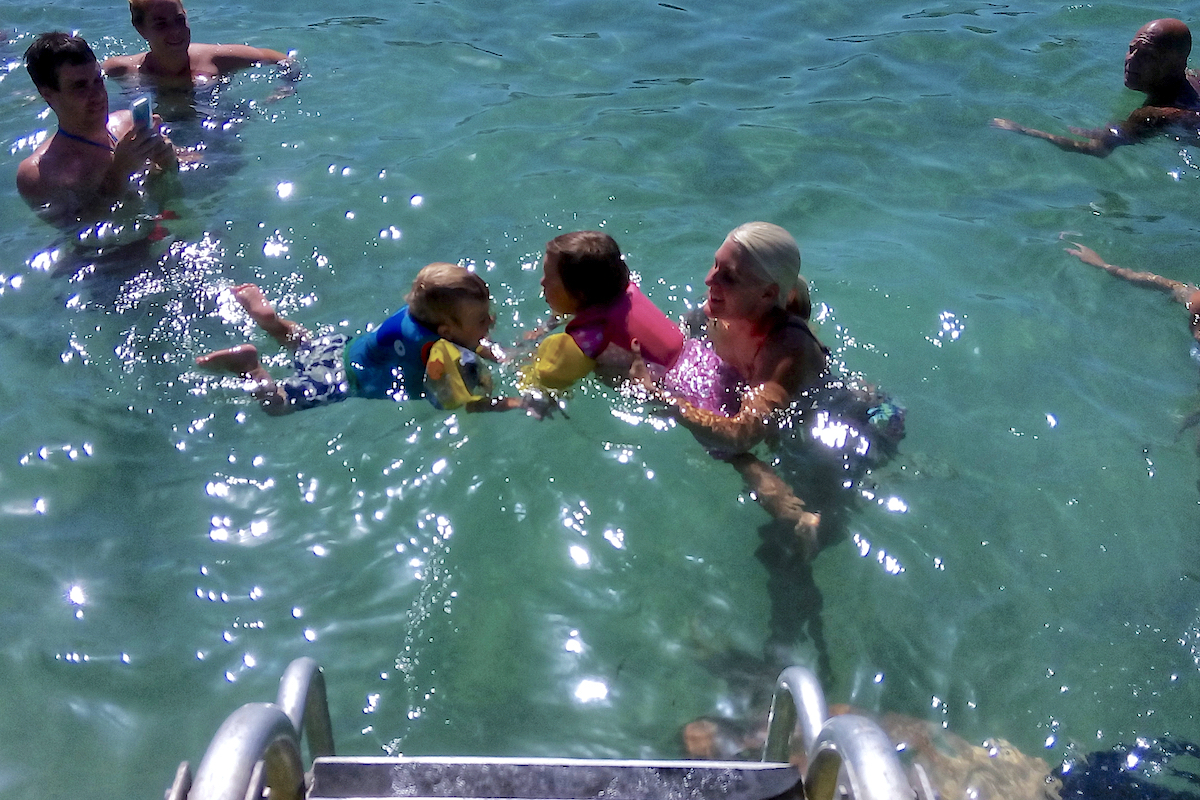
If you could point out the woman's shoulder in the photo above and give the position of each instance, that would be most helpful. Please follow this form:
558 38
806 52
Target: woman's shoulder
793 355
792 335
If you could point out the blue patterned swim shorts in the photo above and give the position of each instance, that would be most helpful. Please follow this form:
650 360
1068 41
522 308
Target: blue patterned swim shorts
320 376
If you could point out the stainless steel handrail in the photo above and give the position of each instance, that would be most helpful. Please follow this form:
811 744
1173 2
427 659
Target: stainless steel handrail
798 696
847 748
858 747
258 746
182 784
302 697
256 732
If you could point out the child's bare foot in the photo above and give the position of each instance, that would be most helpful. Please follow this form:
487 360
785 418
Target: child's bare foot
284 331
240 360
243 360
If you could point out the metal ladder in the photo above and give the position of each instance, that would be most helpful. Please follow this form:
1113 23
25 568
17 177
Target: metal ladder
255 754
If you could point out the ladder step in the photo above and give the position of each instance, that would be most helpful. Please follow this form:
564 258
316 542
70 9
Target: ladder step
551 779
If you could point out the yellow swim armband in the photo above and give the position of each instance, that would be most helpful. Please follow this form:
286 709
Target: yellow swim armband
557 364
444 378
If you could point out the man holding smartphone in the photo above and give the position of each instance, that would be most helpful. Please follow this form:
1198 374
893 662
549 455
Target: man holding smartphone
79 173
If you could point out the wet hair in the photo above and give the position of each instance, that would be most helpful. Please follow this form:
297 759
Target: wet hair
591 266
51 50
775 255
799 301
439 288
137 11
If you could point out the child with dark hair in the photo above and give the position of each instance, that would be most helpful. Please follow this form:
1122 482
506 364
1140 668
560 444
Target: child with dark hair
585 278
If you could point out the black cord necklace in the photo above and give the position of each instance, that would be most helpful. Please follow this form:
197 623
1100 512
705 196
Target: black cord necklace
109 147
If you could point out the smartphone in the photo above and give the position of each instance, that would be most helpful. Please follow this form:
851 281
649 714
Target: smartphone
140 108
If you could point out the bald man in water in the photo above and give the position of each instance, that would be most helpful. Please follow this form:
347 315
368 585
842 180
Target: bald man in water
1157 65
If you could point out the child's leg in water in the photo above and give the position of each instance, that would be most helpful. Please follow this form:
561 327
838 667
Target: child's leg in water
243 360
778 499
287 333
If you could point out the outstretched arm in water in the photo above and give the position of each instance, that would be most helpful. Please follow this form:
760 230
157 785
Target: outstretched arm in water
1099 142
1180 292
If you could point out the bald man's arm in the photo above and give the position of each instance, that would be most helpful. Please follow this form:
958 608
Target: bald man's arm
1151 119
1098 143
1141 124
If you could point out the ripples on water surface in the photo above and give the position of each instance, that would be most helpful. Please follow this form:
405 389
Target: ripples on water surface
494 585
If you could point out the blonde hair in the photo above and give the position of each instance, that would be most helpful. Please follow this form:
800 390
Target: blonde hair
137 11
776 256
439 288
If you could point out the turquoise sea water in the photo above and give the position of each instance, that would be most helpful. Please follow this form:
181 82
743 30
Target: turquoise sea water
493 585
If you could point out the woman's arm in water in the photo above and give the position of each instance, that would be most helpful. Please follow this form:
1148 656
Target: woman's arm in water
734 434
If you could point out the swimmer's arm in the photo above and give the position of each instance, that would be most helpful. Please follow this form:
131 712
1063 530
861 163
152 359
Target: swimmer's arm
125 162
738 433
533 405
1149 119
165 157
228 58
1100 143
289 75
1178 290
231 57
490 351
121 66
31 189
135 151
290 65
1141 124
778 498
749 425
543 328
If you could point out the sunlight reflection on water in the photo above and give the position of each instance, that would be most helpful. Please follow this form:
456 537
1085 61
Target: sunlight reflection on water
599 572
